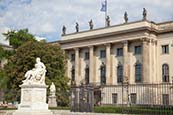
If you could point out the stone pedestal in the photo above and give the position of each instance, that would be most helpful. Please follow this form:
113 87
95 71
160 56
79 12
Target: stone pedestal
33 101
52 101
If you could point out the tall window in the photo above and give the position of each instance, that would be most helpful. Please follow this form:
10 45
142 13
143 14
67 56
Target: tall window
73 74
165 73
138 72
102 53
133 98
114 98
165 98
87 74
86 55
119 51
103 73
138 49
165 49
72 57
119 73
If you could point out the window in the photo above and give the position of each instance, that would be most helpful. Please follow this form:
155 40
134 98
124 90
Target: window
165 73
133 98
72 57
102 53
165 49
87 74
114 98
103 73
120 73
73 74
165 99
138 49
138 72
86 55
119 51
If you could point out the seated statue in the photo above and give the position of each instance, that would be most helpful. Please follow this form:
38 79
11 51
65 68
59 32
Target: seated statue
36 75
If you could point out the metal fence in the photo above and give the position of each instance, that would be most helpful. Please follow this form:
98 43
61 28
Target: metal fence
137 98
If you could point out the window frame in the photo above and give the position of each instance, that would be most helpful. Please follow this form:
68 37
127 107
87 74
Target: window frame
102 54
165 49
138 50
119 52
119 73
138 72
165 73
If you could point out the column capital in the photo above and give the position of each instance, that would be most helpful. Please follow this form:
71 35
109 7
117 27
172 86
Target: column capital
108 44
76 48
125 42
145 39
92 46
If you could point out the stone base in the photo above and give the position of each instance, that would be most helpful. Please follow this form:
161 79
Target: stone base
20 112
33 101
52 101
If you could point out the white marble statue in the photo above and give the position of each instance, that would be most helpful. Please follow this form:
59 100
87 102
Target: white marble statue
36 75
52 89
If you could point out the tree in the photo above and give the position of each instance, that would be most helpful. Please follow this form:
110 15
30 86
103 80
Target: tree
24 59
2 53
17 38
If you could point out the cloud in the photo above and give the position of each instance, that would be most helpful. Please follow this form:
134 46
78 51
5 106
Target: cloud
46 17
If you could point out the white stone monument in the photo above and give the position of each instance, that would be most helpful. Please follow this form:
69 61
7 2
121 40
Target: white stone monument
52 97
33 92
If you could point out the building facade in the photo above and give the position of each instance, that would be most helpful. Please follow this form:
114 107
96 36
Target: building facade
136 53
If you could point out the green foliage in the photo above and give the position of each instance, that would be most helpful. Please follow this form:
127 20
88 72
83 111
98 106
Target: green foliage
136 110
2 53
17 38
24 59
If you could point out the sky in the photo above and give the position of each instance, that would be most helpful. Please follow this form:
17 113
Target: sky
45 18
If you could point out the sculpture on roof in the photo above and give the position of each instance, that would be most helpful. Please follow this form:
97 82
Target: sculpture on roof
125 17
77 27
91 25
63 30
144 14
107 21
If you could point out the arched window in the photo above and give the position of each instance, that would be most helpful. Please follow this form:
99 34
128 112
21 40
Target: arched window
73 74
103 73
120 73
138 72
165 73
87 74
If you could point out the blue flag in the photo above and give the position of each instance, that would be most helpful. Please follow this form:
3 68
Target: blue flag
104 6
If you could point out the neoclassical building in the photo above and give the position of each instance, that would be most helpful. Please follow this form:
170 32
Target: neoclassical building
138 52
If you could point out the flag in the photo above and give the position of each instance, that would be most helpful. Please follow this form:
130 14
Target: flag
104 6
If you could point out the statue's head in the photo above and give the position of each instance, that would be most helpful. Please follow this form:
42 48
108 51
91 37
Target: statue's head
37 59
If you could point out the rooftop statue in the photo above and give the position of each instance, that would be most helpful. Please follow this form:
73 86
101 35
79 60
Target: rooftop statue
52 89
63 30
36 75
91 25
77 27
107 21
144 14
125 17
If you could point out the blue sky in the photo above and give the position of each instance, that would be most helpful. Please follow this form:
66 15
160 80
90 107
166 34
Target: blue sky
45 18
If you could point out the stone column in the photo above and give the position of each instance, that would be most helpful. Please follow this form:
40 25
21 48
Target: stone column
91 64
108 63
125 63
125 72
145 60
77 66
